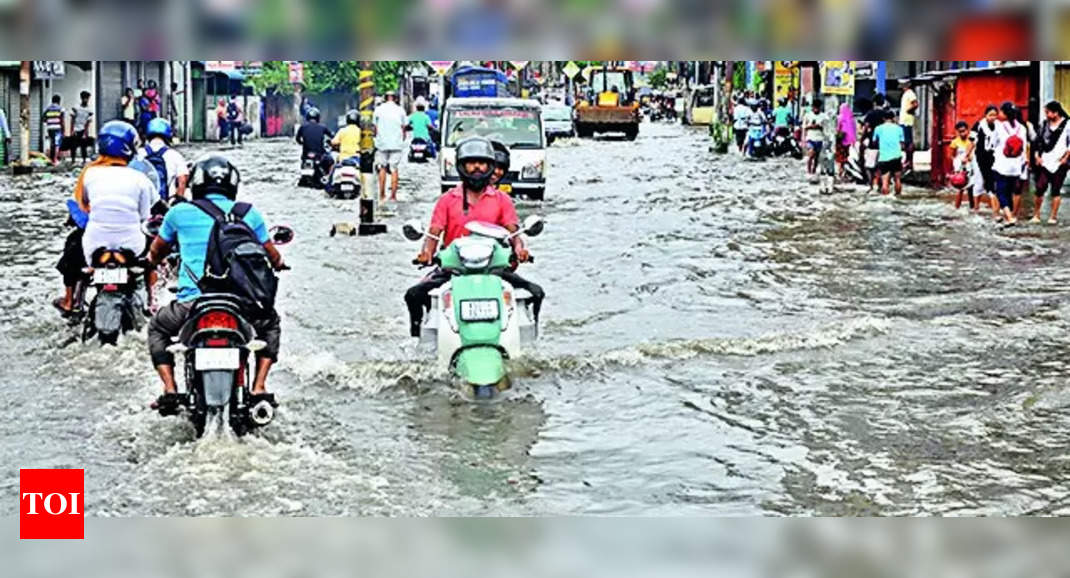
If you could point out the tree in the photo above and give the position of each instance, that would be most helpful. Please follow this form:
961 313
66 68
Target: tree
273 78
659 78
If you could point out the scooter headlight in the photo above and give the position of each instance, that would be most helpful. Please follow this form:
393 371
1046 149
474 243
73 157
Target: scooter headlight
532 171
475 256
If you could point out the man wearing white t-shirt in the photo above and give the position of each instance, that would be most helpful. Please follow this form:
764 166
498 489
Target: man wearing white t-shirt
908 108
1052 155
170 165
390 120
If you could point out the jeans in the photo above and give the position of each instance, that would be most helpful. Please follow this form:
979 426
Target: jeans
1006 187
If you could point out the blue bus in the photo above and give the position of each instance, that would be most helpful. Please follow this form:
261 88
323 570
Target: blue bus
474 81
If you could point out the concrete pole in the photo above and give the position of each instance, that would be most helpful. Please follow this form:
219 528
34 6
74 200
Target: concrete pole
24 113
1047 81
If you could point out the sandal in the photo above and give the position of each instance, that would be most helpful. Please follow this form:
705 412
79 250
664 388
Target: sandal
58 304
167 404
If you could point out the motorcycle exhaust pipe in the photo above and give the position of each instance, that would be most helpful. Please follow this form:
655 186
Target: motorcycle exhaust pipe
262 413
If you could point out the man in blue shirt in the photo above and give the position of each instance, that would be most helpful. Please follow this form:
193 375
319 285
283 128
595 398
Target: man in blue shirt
890 144
213 178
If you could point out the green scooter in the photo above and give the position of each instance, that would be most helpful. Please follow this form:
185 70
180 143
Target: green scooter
477 320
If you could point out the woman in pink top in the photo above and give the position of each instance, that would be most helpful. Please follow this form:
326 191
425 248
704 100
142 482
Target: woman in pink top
846 136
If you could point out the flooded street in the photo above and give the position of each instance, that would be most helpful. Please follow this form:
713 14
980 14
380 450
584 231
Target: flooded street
718 339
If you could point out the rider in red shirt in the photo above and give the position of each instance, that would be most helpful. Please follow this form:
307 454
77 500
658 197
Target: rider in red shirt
475 199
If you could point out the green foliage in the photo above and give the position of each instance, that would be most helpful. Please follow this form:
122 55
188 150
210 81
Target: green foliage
273 78
332 75
344 76
739 76
659 78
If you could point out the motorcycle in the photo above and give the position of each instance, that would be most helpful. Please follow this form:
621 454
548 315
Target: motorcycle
784 143
759 145
117 306
477 320
419 151
344 182
314 170
218 344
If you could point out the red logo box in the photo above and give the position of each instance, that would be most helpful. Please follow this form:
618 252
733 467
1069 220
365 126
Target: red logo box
51 504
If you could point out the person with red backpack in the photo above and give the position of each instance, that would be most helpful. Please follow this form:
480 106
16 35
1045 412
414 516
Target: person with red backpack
225 247
1011 137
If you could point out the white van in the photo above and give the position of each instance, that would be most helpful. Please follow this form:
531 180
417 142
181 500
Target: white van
515 122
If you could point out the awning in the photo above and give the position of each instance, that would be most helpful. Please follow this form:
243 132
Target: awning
231 74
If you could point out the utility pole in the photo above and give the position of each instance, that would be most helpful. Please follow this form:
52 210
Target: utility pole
24 119
368 202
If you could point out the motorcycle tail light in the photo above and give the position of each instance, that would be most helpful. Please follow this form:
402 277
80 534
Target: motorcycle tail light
218 342
217 320
110 288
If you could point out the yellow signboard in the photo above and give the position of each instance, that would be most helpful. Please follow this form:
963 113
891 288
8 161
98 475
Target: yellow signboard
838 77
785 78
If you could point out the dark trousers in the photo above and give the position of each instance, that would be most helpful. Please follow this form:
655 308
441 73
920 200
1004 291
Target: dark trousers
168 322
235 131
73 260
82 139
418 297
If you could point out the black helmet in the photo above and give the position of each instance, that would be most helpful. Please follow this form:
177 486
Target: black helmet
213 173
353 117
501 155
475 148
313 114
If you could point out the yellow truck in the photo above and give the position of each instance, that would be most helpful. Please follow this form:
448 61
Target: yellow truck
609 104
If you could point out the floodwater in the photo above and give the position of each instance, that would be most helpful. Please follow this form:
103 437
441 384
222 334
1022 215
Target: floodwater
719 338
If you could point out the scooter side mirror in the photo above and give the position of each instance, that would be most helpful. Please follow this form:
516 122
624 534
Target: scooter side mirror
281 235
533 225
412 230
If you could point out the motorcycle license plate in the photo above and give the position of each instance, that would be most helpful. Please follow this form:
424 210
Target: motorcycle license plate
308 172
346 187
216 359
479 310
505 188
110 276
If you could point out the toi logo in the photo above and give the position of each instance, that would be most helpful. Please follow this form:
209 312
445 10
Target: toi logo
51 504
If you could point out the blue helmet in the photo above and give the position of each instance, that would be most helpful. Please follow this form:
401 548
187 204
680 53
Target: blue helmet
159 127
117 139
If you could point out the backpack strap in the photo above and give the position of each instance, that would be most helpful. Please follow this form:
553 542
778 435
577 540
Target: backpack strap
211 209
239 210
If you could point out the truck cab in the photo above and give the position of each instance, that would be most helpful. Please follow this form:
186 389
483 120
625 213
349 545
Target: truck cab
516 123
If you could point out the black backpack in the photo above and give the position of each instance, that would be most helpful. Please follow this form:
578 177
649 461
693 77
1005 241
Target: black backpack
236 262
155 158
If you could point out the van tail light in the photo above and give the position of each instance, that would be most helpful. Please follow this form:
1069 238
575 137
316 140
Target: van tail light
447 300
217 320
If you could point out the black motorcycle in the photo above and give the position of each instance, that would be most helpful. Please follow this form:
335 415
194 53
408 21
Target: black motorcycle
117 306
219 345
784 143
419 151
314 170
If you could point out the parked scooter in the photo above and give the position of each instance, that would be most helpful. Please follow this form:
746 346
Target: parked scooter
216 342
477 320
117 306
